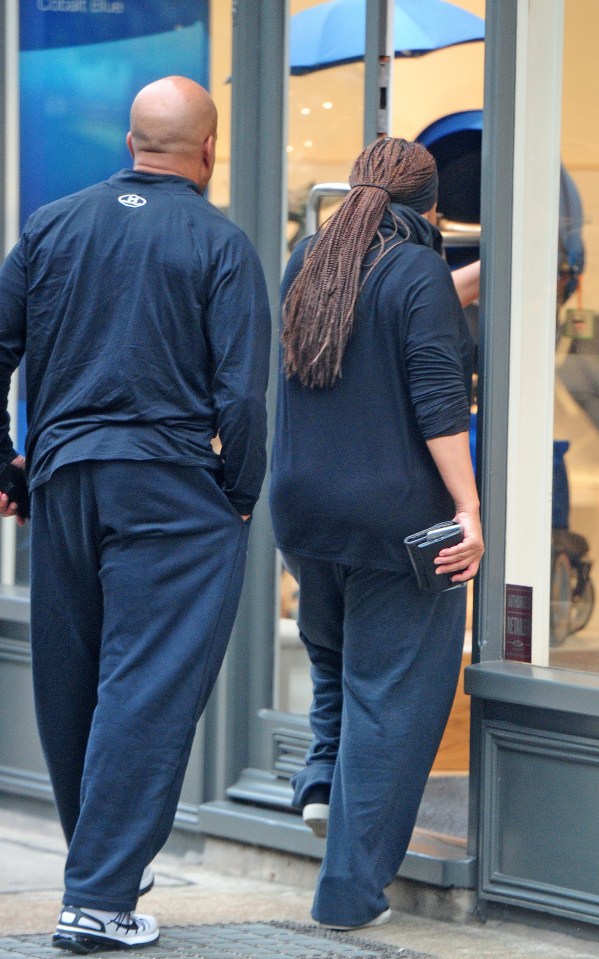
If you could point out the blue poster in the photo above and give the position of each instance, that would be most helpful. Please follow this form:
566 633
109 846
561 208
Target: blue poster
81 62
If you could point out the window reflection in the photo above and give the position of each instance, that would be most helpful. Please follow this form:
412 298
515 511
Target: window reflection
325 136
574 619
295 686
574 614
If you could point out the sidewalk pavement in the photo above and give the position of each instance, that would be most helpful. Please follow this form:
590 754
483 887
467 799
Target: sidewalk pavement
187 894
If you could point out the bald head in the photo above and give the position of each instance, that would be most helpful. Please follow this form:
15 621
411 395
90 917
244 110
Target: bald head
173 129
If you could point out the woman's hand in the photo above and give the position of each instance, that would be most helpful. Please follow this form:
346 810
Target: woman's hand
452 457
463 559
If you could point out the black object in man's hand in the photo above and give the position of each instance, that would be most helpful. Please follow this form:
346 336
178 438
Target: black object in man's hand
14 484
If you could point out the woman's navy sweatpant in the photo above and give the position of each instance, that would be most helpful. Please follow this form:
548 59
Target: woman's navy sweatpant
385 664
137 569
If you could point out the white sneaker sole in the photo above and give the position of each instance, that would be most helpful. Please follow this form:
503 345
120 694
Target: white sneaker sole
379 920
316 816
84 943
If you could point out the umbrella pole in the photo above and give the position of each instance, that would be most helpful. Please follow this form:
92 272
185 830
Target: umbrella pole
378 71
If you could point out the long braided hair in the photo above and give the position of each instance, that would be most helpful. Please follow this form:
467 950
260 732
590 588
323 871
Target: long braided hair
318 311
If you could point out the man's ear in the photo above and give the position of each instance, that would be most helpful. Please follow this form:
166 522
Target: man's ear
209 153
129 140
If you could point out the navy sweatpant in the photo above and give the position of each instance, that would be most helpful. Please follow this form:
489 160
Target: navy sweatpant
385 664
137 569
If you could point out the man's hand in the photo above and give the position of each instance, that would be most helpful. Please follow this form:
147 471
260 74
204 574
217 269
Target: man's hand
7 508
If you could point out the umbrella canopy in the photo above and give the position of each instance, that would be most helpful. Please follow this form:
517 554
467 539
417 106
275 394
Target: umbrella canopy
333 33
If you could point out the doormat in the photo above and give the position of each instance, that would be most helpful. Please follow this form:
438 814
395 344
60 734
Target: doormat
444 806
247 940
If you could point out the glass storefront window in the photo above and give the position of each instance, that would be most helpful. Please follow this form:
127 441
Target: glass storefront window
325 125
574 613
221 49
325 133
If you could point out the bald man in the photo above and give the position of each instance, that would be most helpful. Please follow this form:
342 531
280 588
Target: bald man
143 315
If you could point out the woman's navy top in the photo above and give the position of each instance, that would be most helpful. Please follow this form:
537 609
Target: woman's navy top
351 472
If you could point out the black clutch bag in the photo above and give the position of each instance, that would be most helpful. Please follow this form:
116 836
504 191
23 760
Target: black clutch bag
13 483
424 546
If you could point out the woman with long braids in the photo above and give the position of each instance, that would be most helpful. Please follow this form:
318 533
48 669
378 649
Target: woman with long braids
371 445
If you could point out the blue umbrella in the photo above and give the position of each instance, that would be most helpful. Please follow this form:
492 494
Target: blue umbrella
333 33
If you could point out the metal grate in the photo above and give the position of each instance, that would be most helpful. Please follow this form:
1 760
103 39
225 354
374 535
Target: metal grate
251 940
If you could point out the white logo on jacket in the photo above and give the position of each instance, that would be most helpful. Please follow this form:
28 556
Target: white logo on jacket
132 200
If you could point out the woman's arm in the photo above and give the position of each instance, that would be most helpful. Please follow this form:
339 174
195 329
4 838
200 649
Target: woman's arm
452 458
467 282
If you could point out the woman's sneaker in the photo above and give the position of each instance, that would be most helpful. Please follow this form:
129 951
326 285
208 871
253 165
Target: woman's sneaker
316 816
92 930
379 920
147 881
